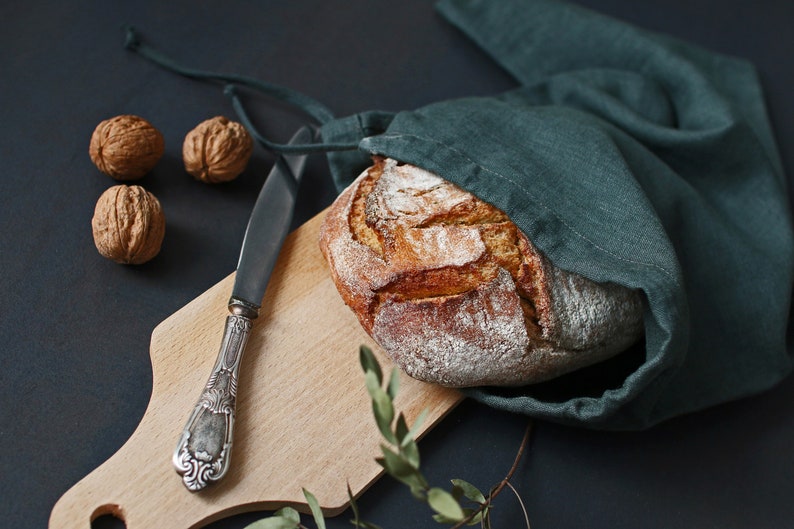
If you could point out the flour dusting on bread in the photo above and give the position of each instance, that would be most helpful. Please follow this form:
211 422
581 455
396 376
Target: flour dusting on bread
455 293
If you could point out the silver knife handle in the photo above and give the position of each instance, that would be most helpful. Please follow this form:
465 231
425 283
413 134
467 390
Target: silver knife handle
204 449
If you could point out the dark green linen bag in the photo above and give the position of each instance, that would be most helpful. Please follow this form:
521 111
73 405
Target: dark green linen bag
626 157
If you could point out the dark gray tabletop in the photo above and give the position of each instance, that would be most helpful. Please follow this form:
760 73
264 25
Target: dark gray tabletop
74 364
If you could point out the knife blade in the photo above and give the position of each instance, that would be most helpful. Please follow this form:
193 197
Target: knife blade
203 452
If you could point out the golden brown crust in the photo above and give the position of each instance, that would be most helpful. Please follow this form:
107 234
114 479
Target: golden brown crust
455 293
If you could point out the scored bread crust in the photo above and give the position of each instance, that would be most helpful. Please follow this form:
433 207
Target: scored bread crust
456 294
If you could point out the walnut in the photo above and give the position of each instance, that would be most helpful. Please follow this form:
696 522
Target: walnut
128 224
217 150
126 147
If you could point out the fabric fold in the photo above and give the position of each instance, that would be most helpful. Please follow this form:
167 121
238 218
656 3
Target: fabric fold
628 157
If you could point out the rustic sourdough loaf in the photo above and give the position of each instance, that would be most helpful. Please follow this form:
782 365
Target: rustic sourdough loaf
456 294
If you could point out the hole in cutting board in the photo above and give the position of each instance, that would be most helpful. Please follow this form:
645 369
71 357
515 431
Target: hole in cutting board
108 517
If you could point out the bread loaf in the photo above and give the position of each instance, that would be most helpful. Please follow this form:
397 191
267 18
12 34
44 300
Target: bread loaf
456 294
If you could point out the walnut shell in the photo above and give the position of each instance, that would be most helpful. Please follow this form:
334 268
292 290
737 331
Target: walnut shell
126 147
217 150
128 224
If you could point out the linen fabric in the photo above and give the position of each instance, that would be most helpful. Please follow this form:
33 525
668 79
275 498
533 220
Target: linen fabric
628 157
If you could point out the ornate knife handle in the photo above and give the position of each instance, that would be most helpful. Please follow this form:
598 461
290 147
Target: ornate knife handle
204 449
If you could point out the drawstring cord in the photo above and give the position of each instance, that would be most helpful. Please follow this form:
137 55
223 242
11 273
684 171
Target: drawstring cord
313 108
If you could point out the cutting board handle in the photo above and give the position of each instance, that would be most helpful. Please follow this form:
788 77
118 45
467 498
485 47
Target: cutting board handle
300 382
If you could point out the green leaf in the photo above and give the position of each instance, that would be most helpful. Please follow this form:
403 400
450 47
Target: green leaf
420 493
479 517
383 409
417 424
410 451
476 519
486 519
373 386
273 522
370 363
290 514
314 505
356 521
401 428
440 518
457 493
394 464
400 469
445 504
394 383
469 490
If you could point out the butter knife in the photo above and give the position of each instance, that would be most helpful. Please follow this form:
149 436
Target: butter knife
203 452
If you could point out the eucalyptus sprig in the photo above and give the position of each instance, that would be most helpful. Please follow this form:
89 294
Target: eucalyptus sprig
289 518
464 504
401 455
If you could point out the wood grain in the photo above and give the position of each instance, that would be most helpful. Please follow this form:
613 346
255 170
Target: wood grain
303 414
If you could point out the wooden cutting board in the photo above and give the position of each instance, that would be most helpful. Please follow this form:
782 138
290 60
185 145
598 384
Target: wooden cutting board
304 418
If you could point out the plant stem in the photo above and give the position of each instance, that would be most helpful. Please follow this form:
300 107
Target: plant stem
521 503
502 484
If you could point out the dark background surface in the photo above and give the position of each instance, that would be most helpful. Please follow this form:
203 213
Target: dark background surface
75 375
